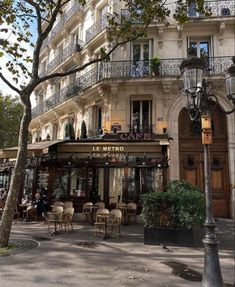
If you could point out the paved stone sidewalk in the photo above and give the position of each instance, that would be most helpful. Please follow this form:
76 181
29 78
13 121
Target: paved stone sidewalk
81 259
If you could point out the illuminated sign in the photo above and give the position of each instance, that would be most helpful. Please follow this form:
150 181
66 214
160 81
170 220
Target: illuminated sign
108 148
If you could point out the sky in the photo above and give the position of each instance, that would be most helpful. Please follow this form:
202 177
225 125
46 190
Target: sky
4 88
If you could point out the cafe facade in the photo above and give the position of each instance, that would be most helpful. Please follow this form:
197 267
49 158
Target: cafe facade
108 170
116 129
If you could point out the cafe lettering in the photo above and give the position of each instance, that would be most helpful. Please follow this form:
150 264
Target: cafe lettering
108 148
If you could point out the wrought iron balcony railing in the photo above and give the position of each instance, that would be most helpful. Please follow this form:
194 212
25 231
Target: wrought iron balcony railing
55 62
124 70
72 11
96 28
138 128
221 8
67 52
64 19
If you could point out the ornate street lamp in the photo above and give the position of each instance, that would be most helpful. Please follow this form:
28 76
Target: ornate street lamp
199 104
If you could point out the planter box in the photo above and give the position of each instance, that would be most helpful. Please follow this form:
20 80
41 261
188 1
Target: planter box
173 236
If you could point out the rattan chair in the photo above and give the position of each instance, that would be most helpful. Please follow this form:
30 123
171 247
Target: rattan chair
101 221
87 210
66 218
131 211
114 223
54 217
68 204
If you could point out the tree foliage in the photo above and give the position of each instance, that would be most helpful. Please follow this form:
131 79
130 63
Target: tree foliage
11 112
18 19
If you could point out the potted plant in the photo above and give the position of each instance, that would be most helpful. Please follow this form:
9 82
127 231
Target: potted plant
155 66
174 217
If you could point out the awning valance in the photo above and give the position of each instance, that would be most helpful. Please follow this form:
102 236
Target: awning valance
34 149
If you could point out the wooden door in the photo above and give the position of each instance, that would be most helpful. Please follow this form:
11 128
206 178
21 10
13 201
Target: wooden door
191 158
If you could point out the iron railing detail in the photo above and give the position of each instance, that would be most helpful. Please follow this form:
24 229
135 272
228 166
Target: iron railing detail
221 8
96 28
67 52
72 11
138 128
65 17
125 70
55 62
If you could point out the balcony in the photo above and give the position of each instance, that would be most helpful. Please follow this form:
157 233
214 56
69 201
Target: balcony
125 70
221 8
65 17
65 54
96 28
138 128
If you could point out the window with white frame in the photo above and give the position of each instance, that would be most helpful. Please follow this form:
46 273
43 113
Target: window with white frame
141 116
141 53
203 48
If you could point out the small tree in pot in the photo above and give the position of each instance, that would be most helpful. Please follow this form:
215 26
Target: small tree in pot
155 66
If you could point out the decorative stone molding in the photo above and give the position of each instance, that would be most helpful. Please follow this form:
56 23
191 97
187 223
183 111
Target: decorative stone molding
221 33
90 53
41 123
80 106
180 32
114 94
56 115
160 36
166 87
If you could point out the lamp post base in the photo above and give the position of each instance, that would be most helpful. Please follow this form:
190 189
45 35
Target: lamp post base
212 276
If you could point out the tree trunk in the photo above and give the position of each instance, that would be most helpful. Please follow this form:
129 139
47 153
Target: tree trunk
18 175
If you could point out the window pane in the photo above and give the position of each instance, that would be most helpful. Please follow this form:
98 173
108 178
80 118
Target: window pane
116 185
136 53
146 52
145 116
204 49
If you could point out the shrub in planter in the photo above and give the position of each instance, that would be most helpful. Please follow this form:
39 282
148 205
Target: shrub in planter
155 66
182 206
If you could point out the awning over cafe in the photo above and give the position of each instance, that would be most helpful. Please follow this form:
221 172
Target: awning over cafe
34 149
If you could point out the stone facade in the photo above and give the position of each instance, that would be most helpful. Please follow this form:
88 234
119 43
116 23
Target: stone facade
108 94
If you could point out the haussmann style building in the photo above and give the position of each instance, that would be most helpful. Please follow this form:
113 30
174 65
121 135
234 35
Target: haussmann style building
117 130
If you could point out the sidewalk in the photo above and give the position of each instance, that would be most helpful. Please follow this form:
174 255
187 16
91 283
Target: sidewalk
79 259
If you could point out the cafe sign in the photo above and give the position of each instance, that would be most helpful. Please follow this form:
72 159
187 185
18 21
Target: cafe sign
108 149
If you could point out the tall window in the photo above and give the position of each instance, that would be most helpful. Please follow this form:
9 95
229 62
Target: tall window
203 48
140 57
96 120
141 116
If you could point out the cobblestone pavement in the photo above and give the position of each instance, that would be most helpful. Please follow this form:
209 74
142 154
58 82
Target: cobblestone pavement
21 245
81 259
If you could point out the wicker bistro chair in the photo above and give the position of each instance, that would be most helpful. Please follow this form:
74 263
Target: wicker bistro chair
87 210
114 223
66 218
101 220
54 217
97 206
123 207
131 211
68 204
58 203
30 212
100 204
